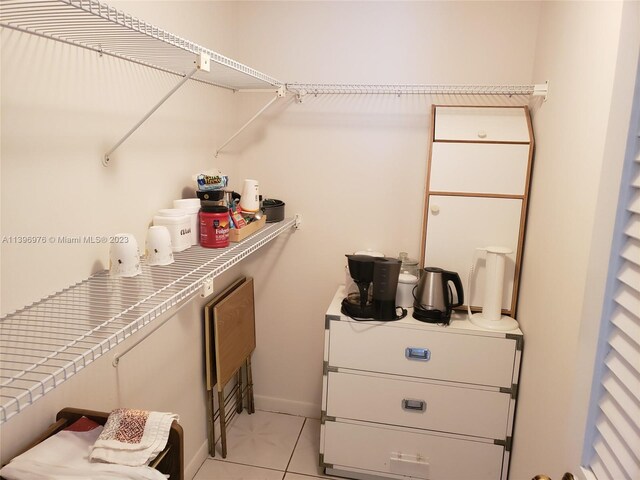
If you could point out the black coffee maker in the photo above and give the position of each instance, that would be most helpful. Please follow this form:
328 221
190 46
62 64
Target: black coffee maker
376 281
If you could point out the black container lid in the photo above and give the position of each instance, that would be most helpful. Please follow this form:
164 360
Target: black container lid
210 194
272 202
214 209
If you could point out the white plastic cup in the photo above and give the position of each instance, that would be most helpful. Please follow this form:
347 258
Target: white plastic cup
179 225
124 256
191 206
250 199
158 246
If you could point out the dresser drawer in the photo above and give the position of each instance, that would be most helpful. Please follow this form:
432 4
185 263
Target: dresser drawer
473 359
479 168
465 411
386 451
481 124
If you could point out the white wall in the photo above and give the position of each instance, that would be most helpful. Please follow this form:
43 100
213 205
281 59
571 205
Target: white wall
392 42
589 52
353 166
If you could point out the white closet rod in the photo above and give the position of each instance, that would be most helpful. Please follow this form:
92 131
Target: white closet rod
302 89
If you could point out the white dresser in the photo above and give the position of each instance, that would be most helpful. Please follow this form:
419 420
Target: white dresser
406 399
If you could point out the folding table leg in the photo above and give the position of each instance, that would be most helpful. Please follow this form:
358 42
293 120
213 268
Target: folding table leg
211 426
223 424
239 391
250 404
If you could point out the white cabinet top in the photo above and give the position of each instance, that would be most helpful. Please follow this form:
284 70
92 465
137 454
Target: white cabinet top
459 322
481 124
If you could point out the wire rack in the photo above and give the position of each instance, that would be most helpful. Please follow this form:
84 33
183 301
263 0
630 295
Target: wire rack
96 26
408 89
48 342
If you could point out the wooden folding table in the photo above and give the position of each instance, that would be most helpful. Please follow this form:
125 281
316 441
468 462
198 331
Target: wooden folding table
230 338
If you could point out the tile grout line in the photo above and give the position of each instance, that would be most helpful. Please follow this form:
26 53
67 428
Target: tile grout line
284 473
241 464
294 447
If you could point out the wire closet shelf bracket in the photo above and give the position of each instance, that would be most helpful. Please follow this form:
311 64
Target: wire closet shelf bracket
46 343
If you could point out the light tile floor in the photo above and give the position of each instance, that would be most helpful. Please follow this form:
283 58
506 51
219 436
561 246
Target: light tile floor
267 446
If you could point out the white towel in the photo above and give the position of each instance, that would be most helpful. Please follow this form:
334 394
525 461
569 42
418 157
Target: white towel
132 437
64 456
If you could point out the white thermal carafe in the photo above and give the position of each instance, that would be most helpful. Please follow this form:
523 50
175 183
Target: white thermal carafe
491 316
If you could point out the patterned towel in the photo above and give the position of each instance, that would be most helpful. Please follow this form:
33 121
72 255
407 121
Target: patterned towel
65 456
132 437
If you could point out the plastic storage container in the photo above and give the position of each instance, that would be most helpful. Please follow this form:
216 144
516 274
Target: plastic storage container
407 280
179 225
404 294
409 265
192 207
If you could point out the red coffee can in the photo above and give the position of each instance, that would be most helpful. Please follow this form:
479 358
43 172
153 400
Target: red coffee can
214 226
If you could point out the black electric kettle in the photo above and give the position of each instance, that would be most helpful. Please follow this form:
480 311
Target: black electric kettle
433 296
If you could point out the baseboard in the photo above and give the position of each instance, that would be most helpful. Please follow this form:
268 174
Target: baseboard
290 407
196 462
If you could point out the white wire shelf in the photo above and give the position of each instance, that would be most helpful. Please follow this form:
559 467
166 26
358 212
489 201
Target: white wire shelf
48 342
413 89
96 26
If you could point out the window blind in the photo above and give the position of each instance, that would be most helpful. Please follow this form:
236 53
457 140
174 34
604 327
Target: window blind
616 444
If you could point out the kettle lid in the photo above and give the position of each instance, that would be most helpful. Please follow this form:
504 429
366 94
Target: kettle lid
433 269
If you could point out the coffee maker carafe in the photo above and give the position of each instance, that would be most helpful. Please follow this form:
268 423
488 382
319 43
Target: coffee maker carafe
358 302
374 294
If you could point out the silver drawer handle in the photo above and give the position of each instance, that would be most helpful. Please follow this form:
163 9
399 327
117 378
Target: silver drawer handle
414 405
412 353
